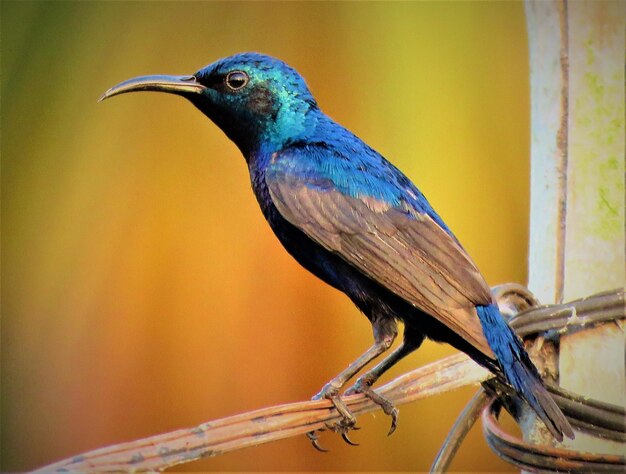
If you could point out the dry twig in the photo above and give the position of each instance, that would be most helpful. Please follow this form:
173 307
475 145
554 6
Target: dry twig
159 452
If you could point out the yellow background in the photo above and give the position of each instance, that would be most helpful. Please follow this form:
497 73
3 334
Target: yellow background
141 289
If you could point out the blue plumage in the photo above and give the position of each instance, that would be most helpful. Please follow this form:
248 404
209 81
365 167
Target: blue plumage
354 168
518 369
353 219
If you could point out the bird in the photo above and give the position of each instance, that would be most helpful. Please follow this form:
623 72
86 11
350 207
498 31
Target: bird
359 224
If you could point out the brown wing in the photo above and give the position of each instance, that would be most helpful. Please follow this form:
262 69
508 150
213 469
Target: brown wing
406 251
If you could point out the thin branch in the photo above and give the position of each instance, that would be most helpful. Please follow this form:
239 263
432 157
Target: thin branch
159 452
543 458
462 426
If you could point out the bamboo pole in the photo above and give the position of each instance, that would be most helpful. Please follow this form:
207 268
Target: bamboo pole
577 58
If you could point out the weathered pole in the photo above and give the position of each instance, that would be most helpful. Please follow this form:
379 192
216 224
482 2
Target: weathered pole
577 242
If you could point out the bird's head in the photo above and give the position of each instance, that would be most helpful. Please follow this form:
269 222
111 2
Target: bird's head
257 100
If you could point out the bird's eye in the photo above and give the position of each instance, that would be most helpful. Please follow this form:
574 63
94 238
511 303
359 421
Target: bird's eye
235 80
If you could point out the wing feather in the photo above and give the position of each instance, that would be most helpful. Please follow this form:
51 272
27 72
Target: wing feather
405 250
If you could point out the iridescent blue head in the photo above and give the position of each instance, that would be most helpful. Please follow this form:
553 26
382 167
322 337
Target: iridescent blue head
257 100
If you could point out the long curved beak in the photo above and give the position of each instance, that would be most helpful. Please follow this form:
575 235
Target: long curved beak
182 85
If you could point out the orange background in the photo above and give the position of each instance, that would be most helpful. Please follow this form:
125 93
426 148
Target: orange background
141 289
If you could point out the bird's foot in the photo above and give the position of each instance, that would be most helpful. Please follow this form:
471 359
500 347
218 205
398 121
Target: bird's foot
312 435
364 386
346 423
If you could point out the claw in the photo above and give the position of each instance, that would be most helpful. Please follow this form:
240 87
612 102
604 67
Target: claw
314 441
394 420
348 419
342 426
381 401
344 435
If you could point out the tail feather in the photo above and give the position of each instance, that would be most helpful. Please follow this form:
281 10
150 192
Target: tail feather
520 372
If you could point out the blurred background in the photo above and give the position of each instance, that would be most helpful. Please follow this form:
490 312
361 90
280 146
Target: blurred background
142 290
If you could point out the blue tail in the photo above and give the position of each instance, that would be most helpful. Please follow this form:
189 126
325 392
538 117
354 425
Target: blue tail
520 372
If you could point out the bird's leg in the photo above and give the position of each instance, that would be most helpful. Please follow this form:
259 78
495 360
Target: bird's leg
364 383
330 391
384 334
